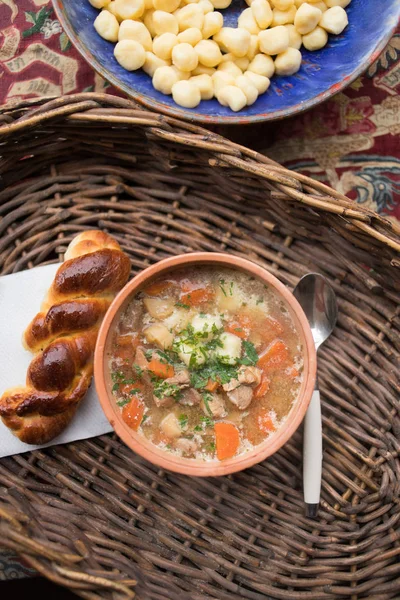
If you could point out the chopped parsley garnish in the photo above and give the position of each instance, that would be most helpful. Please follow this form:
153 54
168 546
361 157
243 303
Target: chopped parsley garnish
166 357
207 397
145 417
211 446
231 289
117 376
134 391
260 301
118 379
162 389
139 370
183 421
214 370
193 360
213 344
251 356
198 428
207 421
183 305
221 285
123 401
148 354
202 315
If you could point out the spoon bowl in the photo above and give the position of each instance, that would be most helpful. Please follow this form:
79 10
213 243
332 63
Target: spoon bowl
318 301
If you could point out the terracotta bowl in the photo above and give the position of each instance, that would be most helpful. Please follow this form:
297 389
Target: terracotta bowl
137 442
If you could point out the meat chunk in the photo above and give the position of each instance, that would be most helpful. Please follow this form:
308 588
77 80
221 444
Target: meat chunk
181 378
215 405
132 318
231 385
187 447
249 375
246 375
163 402
241 396
190 397
143 363
140 359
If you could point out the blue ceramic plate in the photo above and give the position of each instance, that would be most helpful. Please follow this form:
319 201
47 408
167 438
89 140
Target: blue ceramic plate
323 73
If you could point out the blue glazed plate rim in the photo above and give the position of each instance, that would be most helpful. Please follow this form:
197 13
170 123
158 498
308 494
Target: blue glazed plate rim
180 113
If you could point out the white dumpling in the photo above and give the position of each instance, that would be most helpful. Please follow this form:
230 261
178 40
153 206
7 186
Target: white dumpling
231 348
206 324
191 355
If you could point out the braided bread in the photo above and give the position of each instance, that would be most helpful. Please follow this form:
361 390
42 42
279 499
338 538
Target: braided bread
63 337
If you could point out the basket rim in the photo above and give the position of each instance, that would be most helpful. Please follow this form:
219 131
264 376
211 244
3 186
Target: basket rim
101 108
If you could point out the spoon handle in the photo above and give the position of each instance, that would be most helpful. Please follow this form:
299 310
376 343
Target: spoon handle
312 455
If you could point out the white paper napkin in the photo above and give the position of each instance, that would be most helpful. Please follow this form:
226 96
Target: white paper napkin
21 295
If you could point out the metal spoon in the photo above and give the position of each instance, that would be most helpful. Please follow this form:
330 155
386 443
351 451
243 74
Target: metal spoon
318 301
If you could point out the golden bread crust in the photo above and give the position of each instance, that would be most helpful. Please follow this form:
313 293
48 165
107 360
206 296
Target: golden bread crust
63 337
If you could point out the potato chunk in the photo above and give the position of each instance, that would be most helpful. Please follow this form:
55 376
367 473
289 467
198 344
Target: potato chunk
228 296
170 426
158 334
159 308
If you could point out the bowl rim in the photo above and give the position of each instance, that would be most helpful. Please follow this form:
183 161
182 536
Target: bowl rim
147 449
181 113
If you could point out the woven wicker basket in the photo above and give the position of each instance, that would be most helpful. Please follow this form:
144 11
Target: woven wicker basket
163 187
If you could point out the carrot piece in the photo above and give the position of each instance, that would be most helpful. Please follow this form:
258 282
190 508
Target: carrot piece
126 345
262 387
124 352
276 355
159 287
265 423
197 296
241 326
269 329
132 413
211 385
161 369
226 439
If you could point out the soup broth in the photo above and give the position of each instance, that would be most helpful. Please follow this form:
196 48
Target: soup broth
206 364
